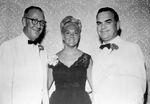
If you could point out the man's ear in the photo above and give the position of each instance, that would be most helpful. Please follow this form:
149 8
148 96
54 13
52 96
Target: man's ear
24 22
118 25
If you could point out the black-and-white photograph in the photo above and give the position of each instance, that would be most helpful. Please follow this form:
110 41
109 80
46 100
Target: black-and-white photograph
74 51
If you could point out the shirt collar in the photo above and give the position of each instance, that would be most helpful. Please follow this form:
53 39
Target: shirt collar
24 38
115 40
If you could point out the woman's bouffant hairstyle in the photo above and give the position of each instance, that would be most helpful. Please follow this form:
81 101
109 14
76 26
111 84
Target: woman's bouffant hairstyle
70 20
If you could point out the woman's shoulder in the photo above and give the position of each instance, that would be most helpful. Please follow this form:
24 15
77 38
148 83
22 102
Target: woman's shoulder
59 53
85 54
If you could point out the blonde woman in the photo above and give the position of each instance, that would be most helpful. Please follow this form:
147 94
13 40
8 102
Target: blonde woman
72 69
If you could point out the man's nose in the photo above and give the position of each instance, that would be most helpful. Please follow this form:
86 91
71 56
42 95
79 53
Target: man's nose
38 25
103 26
72 34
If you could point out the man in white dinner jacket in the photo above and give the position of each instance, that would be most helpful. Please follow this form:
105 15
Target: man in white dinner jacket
119 75
23 63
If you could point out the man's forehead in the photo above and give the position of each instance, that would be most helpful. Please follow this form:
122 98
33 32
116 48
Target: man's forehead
35 11
104 16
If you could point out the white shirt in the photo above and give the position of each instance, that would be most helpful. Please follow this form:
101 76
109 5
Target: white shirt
23 72
119 76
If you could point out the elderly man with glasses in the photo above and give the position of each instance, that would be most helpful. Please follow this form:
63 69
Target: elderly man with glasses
23 63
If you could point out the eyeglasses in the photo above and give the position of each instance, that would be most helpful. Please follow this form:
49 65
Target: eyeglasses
36 21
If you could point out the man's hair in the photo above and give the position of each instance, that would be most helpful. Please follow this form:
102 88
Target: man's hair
105 9
26 11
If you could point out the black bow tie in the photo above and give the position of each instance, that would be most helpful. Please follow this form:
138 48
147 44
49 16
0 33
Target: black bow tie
109 46
105 45
32 42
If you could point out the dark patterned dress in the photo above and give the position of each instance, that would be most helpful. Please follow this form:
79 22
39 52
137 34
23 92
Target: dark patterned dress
70 82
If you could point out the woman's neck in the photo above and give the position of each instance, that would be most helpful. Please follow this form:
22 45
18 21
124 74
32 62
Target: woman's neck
70 50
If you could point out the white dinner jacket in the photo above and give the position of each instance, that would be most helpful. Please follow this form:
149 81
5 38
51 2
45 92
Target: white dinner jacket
23 72
119 76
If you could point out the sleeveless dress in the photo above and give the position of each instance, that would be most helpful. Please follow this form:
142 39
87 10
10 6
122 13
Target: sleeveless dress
70 82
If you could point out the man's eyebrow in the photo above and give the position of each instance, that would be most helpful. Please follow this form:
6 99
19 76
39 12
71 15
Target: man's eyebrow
108 20
98 22
105 21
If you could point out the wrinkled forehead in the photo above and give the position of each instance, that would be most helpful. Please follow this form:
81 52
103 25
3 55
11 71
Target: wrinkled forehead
106 15
35 13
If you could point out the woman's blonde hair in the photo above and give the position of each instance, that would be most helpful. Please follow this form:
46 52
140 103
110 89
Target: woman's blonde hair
70 20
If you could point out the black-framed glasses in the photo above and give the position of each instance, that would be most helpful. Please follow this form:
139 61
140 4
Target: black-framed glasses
36 21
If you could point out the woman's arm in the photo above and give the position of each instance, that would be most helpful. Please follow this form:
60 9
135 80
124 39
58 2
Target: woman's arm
49 78
89 75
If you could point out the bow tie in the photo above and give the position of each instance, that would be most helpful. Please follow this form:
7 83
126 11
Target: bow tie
109 46
105 45
35 43
32 42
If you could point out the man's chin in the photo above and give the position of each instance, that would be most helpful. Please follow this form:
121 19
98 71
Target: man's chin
37 34
34 38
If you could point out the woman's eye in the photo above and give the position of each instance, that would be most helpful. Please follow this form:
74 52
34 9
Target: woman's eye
76 33
66 32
